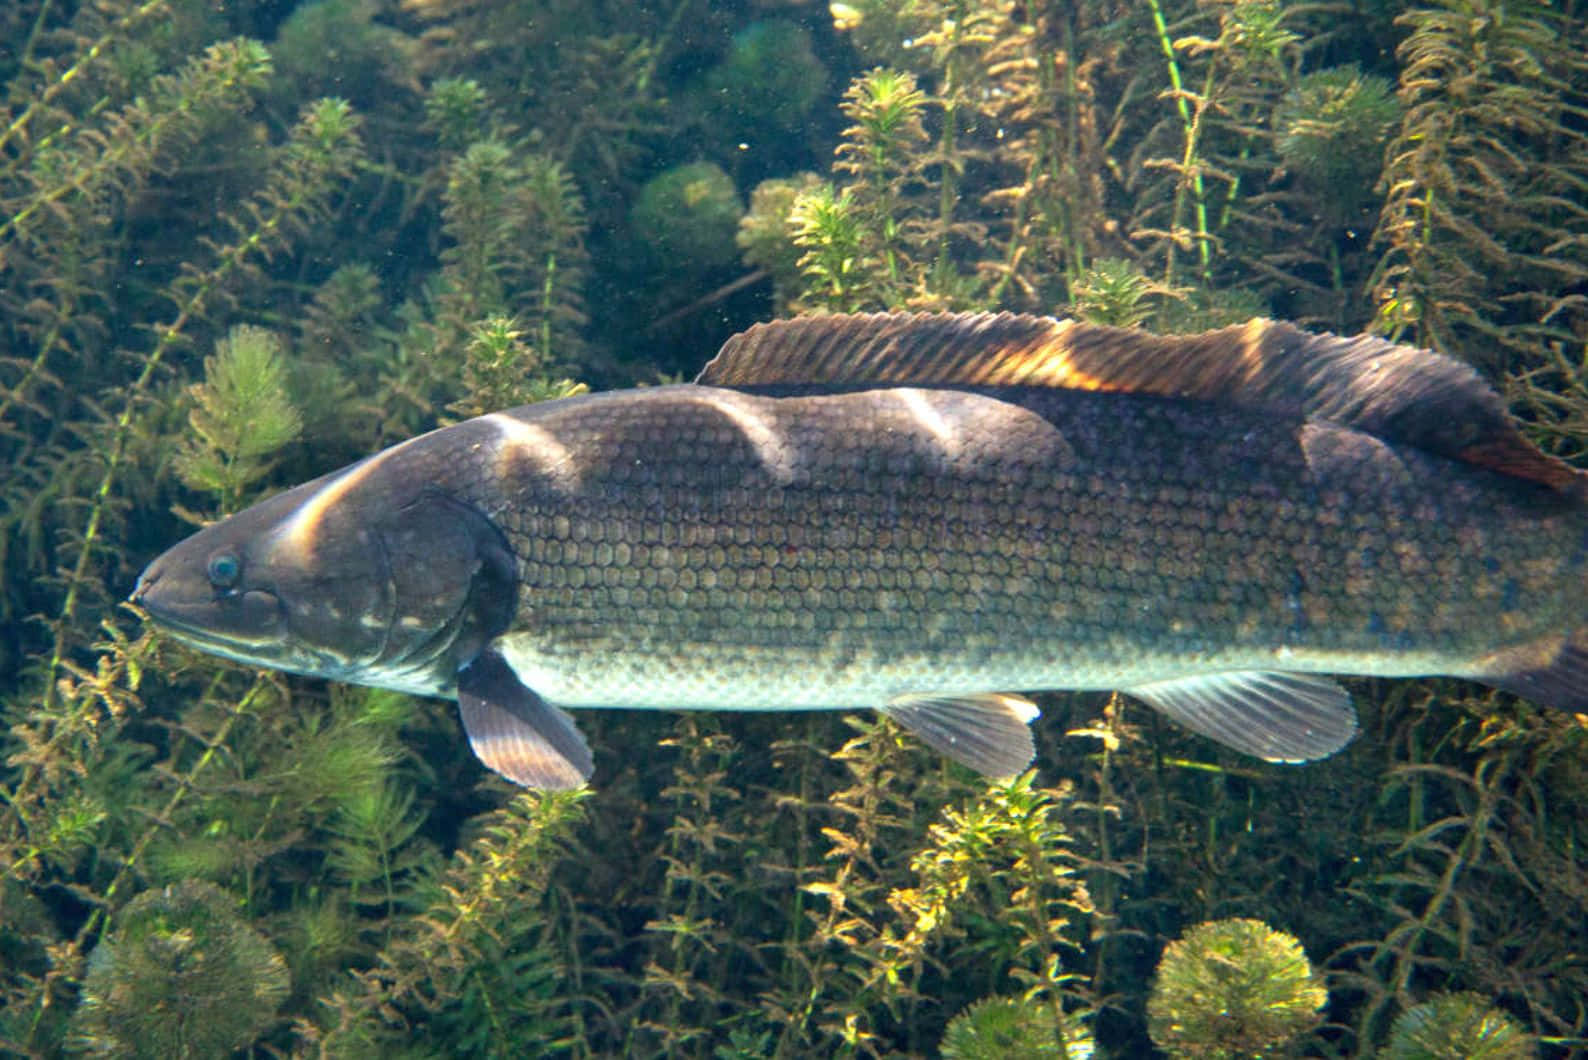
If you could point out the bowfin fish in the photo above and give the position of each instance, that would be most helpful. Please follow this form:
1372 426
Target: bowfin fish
926 514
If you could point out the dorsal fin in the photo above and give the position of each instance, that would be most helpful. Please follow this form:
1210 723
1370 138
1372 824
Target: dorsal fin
1398 393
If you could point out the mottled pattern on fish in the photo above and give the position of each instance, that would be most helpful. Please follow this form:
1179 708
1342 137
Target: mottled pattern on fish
924 514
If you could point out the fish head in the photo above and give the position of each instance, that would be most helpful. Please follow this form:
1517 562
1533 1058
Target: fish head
361 577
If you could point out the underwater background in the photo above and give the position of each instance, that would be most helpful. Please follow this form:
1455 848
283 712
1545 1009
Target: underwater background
244 243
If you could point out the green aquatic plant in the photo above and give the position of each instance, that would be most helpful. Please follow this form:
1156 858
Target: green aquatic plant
516 227
70 714
861 239
1001 1028
323 148
182 974
336 47
1233 988
475 971
242 416
688 215
766 85
1332 129
766 236
1112 291
115 156
878 157
694 947
1221 87
500 371
457 110
1456 1027
1014 840
588 73
1465 843
376 850
1483 221
831 236
57 200
1046 212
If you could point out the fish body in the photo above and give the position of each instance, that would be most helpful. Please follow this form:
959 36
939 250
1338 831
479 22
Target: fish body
924 514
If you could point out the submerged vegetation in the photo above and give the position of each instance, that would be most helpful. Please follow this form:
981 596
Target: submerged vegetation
243 244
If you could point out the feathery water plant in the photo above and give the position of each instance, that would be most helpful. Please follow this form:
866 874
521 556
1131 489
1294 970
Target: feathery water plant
517 228
71 185
477 967
766 236
119 153
113 30
500 371
687 216
182 975
1219 142
1231 989
861 239
1470 849
878 155
692 947
1112 291
241 417
1051 152
1332 129
319 154
833 1009
1484 219
1456 1027
456 111
829 232
1002 1028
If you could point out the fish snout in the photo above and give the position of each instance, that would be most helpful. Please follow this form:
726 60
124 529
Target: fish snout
146 581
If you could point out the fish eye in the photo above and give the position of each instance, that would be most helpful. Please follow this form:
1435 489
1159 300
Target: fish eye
224 570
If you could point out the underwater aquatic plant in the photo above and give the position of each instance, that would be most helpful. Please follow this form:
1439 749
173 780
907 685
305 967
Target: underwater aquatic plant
182 975
1483 222
766 237
500 370
475 970
767 84
1006 1028
1331 131
1232 988
862 238
687 216
457 109
1456 1027
241 416
336 46
1112 291
516 227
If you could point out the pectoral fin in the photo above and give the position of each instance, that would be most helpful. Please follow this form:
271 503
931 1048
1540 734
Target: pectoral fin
515 732
989 731
1279 717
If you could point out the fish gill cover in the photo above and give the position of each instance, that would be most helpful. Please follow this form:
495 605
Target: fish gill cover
450 234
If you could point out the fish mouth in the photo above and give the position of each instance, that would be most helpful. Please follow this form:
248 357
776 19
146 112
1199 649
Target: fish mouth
233 623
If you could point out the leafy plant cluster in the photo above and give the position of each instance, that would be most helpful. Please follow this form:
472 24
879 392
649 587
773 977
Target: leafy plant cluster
224 270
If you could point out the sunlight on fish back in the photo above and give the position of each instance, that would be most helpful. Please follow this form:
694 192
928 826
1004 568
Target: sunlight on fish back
926 515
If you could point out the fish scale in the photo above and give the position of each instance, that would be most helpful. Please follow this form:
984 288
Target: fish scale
1106 541
923 514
